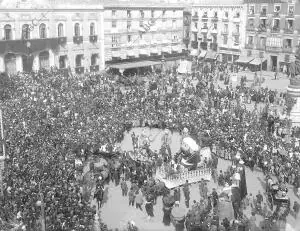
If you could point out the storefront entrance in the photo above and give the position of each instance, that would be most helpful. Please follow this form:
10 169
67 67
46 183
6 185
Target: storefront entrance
274 63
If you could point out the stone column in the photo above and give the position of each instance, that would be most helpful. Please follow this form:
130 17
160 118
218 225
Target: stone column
293 90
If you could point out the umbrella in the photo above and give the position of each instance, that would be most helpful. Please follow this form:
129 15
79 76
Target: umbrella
178 213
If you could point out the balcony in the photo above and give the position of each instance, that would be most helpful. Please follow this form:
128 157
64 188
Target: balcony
290 15
194 44
262 28
62 40
249 46
251 15
276 15
235 33
289 30
204 18
275 30
236 19
263 14
93 38
273 49
195 17
225 19
204 29
79 70
224 32
78 39
287 50
203 45
94 68
215 19
214 46
250 28
260 47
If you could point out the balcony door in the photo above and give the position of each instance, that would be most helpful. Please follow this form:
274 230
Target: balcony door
10 63
44 60
27 61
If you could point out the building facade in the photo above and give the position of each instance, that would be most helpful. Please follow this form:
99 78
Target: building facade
40 34
142 30
217 29
272 32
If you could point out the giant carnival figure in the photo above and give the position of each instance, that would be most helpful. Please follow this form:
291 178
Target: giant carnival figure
294 68
165 150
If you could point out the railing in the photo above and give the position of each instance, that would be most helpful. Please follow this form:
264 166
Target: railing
215 19
94 68
287 49
204 18
274 49
62 40
289 30
93 38
225 19
79 70
249 46
195 17
250 28
77 39
263 14
235 33
275 30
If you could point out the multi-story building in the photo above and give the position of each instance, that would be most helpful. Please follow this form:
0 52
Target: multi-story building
272 32
141 30
217 29
44 33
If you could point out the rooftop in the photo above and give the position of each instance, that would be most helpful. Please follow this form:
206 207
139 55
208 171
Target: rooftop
142 3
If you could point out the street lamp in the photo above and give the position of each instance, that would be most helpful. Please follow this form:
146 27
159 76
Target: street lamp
261 56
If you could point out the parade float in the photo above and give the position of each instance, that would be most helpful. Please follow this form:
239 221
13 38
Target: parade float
188 163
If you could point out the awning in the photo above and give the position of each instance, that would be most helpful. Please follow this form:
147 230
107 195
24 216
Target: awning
257 61
137 64
194 52
211 55
131 53
165 49
244 59
202 54
154 50
144 52
116 54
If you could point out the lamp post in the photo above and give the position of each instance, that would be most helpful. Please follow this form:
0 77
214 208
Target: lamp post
261 56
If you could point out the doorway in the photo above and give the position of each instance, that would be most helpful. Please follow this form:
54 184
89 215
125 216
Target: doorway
274 63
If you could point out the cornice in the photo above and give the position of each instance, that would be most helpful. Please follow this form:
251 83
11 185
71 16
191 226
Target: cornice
12 10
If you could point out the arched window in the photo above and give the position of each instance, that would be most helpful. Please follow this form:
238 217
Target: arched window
77 29
92 29
25 31
7 32
43 32
60 30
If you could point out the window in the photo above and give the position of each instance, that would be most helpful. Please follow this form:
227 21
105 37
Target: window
62 61
236 40
114 40
43 33
205 26
237 15
277 8
114 24
152 14
205 38
214 39
92 29
94 59
77 29
128 14
25 31
264 10
250 40
249 53
215 26
113 13
164 13
226 14
225 40
60 30
142 14
78 60
290 24
288 43
141 36
129 38
7 32
291 9
276 24
196 25
226 28
215 14
237 28
251 10
262 42
128 25
205 14
251 22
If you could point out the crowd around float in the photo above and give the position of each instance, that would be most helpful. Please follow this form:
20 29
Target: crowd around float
54 124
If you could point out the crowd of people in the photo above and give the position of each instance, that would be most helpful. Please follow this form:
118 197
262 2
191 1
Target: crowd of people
48 117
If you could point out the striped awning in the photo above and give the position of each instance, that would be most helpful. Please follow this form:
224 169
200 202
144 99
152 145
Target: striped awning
244 59
257 61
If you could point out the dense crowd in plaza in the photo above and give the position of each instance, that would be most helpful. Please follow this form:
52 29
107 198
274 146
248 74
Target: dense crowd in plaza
49 117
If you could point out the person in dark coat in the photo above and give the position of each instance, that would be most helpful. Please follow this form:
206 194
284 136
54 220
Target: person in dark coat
177 194
131 196
149 207
186 192
215 197
124 187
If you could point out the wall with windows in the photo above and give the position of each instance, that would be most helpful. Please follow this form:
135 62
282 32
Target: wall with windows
273 31
39 37
142 31
218 26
